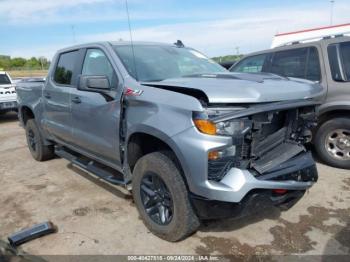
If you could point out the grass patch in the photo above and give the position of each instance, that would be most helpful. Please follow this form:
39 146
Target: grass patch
27 73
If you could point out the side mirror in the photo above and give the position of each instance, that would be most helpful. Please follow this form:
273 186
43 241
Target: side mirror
93 83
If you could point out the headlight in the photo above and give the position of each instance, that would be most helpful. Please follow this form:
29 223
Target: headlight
228 128
233 127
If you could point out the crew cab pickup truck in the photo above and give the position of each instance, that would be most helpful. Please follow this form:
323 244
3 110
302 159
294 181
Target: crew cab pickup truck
191 140
326 61
8 97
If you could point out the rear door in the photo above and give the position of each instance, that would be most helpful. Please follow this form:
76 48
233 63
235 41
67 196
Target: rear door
96 115
56 95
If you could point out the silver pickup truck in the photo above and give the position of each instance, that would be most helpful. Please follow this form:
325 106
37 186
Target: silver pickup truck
191 140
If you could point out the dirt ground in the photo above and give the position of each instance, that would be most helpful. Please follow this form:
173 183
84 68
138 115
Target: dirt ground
96 218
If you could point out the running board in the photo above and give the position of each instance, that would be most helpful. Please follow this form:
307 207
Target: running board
90 166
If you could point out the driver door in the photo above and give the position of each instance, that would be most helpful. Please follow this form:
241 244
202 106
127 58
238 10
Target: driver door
95 116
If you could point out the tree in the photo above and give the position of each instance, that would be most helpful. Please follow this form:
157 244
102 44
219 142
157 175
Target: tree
17 62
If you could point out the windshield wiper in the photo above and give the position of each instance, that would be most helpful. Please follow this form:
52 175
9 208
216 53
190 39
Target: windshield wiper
153 80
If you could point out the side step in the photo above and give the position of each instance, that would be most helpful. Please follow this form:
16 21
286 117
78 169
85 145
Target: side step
91 166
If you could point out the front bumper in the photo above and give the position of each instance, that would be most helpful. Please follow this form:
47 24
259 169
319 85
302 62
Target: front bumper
8 106
254 202
237 183
192 150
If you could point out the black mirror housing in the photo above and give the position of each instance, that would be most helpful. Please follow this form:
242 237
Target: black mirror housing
94 83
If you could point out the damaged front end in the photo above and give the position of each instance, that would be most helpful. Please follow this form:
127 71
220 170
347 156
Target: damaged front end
268 140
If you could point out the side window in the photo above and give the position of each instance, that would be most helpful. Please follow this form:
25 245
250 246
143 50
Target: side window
96 63
345 54
290 63
339 61
313 70
65 67
252 64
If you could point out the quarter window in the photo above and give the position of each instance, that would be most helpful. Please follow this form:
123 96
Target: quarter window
65 67
97 64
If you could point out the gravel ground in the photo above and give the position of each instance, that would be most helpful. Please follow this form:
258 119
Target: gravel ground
96 218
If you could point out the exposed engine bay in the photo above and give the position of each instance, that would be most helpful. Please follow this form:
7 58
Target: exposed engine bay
269 143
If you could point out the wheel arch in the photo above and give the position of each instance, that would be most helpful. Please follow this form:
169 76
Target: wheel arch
334 111
26 113
148 141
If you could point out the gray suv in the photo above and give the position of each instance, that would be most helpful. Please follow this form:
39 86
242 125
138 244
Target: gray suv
190 139
327 62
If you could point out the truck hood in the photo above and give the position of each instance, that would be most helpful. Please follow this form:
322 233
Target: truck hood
243 88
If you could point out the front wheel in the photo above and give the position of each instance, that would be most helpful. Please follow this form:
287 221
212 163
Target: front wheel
161 197
332 142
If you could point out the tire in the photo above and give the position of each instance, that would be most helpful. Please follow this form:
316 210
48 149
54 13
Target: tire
183 220
38 150
332 141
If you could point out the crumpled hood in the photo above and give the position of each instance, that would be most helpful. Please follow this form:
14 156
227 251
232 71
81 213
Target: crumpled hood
245 88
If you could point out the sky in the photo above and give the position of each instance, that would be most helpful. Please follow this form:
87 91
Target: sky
215 27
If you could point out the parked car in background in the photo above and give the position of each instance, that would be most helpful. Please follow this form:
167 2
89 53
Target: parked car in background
326 61
8 97
227 64
191 140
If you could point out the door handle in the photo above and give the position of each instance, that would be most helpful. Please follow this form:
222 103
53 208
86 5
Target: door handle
47 95
76 100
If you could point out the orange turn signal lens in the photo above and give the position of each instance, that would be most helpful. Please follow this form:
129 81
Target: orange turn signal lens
205 126
213 155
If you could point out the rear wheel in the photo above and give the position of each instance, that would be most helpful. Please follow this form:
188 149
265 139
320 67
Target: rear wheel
37 148
161 197
332 142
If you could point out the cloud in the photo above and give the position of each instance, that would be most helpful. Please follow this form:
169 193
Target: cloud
250 32
250 29
24 11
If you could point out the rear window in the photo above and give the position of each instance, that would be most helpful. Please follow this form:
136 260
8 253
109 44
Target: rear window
299 63
65 67
4 80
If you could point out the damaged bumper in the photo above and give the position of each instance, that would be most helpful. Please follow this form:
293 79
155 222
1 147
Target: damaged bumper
270 156
299 173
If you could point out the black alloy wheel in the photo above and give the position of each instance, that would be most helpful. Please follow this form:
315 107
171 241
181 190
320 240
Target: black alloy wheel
156 199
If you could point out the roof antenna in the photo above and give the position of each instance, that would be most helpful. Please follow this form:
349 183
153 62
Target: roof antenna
132 43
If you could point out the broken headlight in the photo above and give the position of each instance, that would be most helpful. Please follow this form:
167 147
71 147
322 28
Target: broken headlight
225 128
232 127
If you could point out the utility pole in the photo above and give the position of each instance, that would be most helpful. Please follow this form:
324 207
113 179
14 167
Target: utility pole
332 6
237 50
73 33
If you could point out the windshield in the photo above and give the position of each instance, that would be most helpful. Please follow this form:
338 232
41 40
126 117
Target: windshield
156 63
4 80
